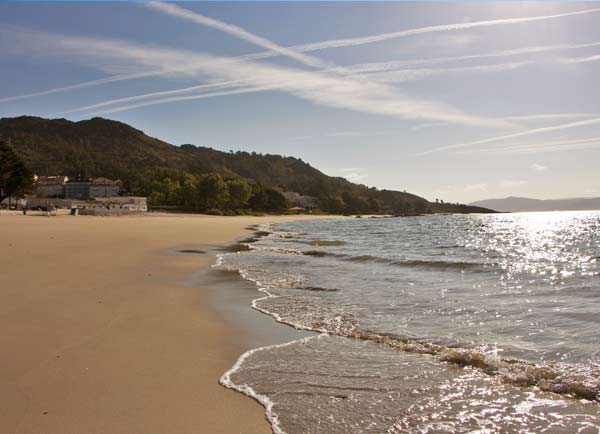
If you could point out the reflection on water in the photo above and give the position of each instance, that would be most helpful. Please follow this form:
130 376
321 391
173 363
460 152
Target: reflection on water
513 296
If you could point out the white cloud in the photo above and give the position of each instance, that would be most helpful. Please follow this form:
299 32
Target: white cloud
586 59
518 119
388 76
186 14
91 83
539 147
201 87
538 167
354 174
295 51
529 132
347 42
395 64
403 75
315 86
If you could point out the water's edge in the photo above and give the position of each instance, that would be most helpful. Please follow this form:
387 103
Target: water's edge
541 377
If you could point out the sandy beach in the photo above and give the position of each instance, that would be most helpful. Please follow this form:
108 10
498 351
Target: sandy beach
99 335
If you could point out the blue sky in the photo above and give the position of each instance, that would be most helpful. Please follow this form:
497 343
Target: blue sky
458 101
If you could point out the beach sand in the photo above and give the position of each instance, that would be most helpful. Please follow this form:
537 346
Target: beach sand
102 332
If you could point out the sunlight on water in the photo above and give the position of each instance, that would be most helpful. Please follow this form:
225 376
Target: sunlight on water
512 298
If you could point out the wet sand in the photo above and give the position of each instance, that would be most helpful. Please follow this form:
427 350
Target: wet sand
106 328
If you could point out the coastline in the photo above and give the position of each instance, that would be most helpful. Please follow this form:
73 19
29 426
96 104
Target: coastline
108 331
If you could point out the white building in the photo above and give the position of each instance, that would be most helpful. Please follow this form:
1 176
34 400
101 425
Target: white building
128 203
50 186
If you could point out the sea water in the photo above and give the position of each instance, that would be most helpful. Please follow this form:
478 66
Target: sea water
463 323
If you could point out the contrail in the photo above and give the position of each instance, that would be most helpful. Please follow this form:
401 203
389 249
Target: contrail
330 90
558 148
518 118
186 14
394 64
387 76
82 85
403 75
528 148
334 43
351 42
183 98
219 85
587 59
584 123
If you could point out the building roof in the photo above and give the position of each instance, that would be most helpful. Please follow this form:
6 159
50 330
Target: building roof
79 179
52 179
104 181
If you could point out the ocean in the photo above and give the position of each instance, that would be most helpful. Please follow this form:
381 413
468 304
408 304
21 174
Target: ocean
434 324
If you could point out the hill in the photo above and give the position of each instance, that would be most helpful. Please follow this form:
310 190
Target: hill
522 204
101 147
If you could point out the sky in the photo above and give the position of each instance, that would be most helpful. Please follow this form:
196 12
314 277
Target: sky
452 101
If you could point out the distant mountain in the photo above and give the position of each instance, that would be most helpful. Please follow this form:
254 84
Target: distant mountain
102 147
521 204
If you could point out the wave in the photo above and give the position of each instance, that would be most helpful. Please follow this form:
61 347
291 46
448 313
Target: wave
226 381
577 381
581 381
250 244
325 243
390 261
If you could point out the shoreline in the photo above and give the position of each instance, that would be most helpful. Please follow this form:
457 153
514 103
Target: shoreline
109 332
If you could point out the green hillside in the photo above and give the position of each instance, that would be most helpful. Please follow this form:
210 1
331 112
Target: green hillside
101 147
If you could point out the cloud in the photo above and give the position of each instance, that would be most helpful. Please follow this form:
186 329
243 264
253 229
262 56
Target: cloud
538 167
295 51
315 86
186 14
352 42
201 87
540 147
587 59
82 85
529 132
518 119
403 75
395 64
388 76
239 91
354 174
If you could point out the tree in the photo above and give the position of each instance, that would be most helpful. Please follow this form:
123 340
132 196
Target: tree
267 199
355 204
333 205
212 192
276 202
187 194
15 178
239 193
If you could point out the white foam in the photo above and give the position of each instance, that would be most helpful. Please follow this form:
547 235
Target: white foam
265 401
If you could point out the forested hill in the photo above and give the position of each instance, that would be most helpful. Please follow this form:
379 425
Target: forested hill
101 147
